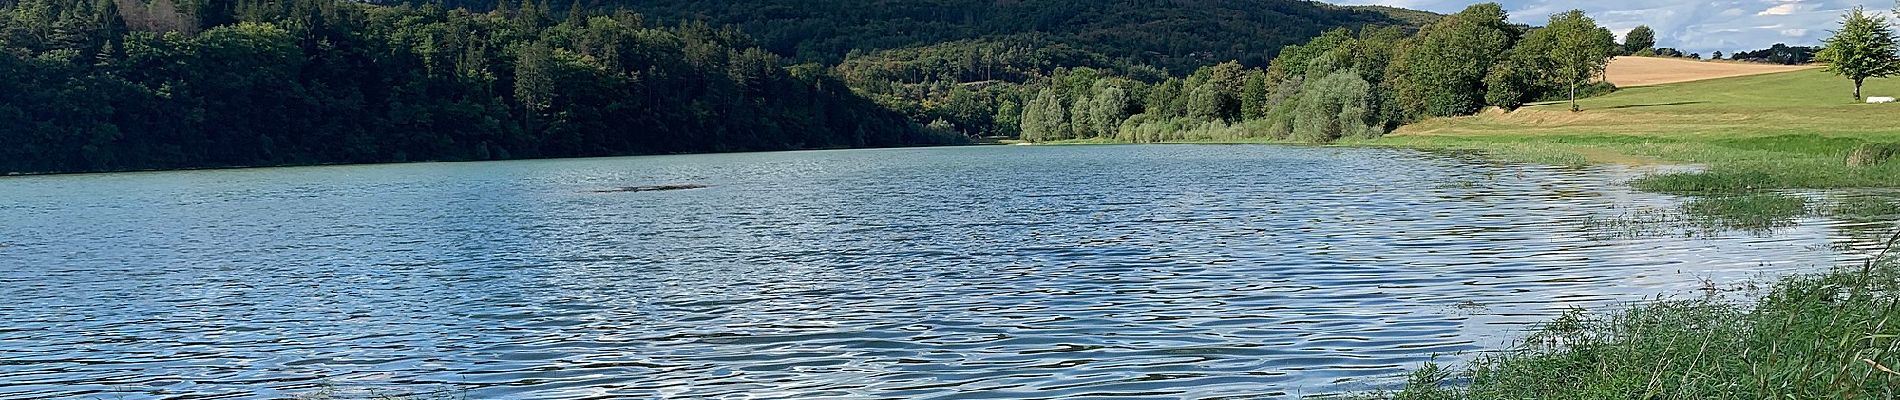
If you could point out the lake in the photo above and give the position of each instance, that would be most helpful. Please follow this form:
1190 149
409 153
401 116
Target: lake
1178 271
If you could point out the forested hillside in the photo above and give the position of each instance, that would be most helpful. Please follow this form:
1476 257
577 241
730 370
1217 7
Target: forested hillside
1178 35
973 66
101 85
156 84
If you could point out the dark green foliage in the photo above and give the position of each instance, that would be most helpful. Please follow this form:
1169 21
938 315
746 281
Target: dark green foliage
1046 118
1669 52
101 85
959 60
1333 107
1578 51
1778 54
1254 96
1296 59
1639 39
1441 71
1177 36
1510 84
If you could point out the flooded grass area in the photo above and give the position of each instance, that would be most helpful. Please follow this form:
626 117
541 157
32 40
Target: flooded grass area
1834 334
1771 154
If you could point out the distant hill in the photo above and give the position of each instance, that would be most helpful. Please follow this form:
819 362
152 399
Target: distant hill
1177 35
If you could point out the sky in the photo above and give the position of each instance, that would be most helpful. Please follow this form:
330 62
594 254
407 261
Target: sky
1702 26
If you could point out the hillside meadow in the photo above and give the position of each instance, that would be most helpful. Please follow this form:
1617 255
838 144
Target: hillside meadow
1773 131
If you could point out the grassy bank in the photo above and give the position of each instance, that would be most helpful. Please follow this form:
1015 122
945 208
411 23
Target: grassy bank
1778 131
1833 335
1827 335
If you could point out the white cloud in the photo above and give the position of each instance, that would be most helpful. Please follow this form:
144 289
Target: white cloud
1783 9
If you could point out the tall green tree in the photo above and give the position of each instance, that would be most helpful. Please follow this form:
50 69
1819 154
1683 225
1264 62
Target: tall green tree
1580 52
1863 48
1333 107
534 80
1046 118
1639 39
1440 72
1106 111
1254 95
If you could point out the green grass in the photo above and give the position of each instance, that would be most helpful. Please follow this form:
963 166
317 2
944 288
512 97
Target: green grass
1778 131
1761 212
1827 335
1833 335
1866 209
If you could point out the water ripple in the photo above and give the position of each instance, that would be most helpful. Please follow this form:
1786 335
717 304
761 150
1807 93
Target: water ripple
995 272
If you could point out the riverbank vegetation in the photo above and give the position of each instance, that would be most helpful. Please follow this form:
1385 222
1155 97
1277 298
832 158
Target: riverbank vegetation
1340 85
1822 335
1819 336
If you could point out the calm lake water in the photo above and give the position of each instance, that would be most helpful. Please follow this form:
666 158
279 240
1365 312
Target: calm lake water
976 272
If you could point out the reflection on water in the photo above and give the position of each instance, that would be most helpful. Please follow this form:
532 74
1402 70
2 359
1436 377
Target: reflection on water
1164 271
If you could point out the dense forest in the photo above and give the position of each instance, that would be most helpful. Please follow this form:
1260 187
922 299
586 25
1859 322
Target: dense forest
100 85
157 84
153 84
1179 36
972 66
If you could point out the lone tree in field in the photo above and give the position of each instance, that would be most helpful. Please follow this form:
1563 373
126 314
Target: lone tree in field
1863 48
1639 39
1580 50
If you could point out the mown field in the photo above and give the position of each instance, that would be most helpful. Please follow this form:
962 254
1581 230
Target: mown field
1775 131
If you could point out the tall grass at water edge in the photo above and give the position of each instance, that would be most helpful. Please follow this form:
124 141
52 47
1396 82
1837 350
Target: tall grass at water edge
1831 335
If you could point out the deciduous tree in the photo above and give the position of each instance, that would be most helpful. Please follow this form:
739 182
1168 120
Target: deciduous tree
1863 48
1639 39
1580 52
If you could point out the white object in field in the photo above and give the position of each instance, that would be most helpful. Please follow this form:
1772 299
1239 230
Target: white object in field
1879 100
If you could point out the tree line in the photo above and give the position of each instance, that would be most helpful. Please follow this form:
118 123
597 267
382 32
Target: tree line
103 85
1175 35
1341 84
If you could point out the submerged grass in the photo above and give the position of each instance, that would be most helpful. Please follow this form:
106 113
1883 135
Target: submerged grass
1829 335
1866 209
337 393
1757 213
1704 216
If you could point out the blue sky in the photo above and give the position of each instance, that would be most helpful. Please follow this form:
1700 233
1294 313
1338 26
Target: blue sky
1694 26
